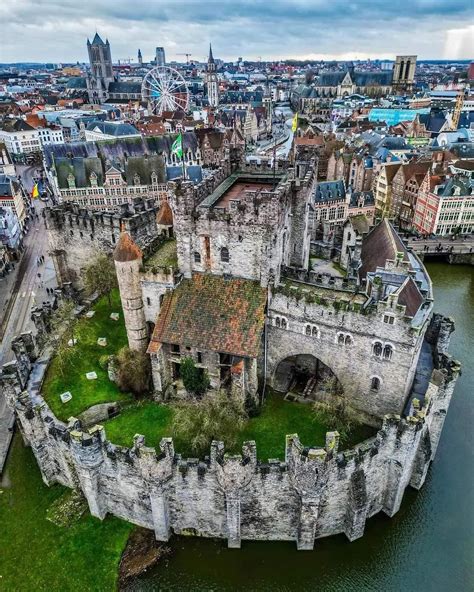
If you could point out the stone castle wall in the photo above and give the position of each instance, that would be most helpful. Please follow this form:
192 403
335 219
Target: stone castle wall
312 493
76 235
353 361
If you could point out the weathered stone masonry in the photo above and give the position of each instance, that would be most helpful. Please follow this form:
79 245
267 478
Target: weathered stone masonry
314 492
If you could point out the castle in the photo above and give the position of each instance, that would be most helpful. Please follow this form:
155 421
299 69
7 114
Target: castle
220 273
240 300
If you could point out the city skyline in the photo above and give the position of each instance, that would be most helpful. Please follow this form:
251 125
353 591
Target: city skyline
254 30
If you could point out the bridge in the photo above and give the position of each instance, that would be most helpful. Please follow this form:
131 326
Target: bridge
457 251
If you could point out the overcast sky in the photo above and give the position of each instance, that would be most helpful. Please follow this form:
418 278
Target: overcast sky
56 30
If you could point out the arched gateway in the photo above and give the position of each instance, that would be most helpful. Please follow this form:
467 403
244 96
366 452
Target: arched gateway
305 375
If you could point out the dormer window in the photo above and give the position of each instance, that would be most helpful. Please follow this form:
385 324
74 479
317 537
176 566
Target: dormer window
136 179
71 181
154 178
93 179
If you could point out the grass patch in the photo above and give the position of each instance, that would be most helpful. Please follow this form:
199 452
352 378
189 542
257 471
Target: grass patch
39 555
86 393
150 419
277 419
165 256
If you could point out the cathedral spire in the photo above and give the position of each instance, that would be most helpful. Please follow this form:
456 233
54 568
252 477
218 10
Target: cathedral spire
211 57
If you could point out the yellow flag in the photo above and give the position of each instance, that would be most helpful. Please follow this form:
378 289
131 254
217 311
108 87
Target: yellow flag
35 192
294 125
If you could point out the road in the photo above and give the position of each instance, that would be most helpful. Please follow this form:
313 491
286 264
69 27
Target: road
443 245
27 291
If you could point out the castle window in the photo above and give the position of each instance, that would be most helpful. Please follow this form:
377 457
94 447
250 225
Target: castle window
175 349
374 383
148 301
161 298
197 257
199 357
389 319
315 332
377 349
308 330
277 322
387 352
348 340
284 323
340 339
225 255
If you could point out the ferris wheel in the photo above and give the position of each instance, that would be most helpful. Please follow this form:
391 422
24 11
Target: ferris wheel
165 89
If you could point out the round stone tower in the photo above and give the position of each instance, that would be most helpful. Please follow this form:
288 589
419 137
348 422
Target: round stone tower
128 260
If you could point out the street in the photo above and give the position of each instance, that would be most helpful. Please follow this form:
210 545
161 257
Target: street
19 294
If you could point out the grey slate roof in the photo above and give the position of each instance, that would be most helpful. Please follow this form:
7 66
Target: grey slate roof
329 191
76 83
113 129
125 88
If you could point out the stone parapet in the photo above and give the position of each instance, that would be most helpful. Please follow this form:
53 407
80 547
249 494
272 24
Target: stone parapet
314 492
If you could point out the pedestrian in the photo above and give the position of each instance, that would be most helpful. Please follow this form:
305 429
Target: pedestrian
39 275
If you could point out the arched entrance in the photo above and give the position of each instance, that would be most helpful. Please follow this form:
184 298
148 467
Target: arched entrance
306 376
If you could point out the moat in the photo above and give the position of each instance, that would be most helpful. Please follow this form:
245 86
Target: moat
428 545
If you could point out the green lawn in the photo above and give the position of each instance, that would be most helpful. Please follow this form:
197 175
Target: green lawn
165 256
277 419
38 555
86 393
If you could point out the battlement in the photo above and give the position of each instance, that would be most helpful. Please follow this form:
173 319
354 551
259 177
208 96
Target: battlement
314 492
129 216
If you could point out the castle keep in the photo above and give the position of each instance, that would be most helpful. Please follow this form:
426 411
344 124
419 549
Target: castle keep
221 273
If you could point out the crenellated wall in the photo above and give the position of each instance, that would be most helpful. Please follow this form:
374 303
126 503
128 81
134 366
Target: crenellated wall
312 493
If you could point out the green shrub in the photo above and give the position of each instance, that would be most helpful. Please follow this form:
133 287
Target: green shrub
195 380
133 371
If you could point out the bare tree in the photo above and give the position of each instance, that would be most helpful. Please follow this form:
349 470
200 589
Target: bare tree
217 416
62 335
100 277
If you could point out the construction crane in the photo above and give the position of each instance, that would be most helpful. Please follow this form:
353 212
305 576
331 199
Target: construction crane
457 110
187 56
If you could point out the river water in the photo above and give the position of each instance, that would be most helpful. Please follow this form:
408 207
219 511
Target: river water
427 546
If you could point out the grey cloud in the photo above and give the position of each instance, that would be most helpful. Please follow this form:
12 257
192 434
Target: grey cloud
56 30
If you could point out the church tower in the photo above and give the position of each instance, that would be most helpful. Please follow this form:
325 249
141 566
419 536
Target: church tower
140 59
101 74
211 80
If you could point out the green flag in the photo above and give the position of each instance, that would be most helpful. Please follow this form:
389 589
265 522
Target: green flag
177 147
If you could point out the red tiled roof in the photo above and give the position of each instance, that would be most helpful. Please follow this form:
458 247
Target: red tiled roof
316 141
165 215
212 313
126 249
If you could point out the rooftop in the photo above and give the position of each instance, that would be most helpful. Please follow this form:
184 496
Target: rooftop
213 314
235 186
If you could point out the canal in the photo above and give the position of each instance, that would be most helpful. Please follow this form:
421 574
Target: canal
427 546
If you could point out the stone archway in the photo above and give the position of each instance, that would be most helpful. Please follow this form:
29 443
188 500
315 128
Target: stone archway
306 376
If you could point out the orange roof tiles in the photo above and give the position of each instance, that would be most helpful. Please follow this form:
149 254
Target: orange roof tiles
213 314
127 249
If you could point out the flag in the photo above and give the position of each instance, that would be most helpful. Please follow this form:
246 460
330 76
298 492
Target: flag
177 147
35 192
294 125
